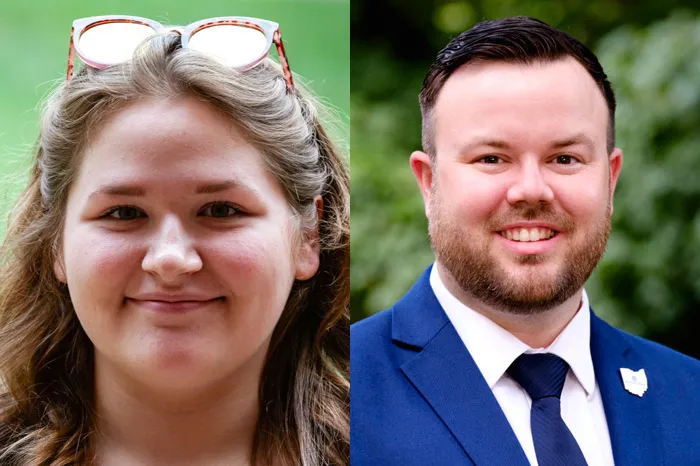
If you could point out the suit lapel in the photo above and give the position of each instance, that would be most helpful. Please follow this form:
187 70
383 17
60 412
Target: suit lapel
449 380
633 422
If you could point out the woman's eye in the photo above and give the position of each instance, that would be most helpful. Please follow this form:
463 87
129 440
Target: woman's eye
219 210
125 212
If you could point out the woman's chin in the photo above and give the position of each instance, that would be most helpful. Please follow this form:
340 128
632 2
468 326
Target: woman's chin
166 369
175 378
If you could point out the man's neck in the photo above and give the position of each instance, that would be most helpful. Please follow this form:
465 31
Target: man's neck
535 330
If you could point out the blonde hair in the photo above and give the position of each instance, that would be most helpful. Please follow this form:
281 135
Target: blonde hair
46 359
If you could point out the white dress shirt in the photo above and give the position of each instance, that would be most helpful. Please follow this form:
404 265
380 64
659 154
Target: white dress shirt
494 349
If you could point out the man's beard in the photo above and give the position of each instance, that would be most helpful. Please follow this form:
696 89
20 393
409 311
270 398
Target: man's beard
480 275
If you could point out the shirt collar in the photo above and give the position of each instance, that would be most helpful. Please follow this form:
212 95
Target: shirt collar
494 349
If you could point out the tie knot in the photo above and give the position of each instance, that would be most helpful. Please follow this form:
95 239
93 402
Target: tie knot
541 375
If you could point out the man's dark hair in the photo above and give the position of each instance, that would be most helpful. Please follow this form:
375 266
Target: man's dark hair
519 40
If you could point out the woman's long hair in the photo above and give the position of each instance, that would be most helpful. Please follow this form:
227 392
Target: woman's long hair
46 359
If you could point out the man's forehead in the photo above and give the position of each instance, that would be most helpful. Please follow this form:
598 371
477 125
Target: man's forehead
500 97
509 78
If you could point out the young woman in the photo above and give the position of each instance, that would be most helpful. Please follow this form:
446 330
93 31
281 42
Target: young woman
174 279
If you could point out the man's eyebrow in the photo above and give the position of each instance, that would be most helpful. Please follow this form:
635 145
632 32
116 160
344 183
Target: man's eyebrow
485 142
574 140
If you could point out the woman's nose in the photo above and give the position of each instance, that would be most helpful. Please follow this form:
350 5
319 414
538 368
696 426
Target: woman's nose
171 253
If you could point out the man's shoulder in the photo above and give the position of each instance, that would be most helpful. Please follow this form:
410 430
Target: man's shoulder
666 356
659 355
375 326
370 338
415 317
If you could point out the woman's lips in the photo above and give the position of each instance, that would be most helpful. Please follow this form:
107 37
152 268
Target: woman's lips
174 307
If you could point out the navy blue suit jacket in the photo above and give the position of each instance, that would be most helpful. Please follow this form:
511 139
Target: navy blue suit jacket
418 398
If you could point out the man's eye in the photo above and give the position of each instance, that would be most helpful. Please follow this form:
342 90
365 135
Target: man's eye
219 210
490 159
565 159
125 212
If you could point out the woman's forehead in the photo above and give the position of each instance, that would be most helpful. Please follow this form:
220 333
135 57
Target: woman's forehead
177 145
177 121
164 133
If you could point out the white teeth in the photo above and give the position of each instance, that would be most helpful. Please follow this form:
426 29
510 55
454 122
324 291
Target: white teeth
529 235
524 235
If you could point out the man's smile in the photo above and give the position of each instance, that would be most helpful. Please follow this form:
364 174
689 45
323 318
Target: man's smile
528 234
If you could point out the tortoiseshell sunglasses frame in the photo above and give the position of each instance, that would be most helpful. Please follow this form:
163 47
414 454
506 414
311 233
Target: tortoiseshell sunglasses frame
270 29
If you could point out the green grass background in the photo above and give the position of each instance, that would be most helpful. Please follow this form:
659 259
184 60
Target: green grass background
34 38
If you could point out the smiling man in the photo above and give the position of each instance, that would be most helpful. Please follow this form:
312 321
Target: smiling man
495 357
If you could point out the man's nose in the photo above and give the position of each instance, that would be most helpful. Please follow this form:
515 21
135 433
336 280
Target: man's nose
171 253
530 184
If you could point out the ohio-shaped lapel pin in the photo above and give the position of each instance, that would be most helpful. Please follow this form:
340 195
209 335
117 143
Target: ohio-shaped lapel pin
635 382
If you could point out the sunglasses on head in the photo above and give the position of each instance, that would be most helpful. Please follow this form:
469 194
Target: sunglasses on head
235 41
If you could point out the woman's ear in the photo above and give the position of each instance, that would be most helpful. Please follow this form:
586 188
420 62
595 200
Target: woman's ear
308 257
59 268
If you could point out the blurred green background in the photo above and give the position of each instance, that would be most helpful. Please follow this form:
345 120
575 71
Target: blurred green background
649 280
35 33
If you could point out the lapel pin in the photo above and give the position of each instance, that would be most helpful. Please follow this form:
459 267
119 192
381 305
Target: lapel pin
635 382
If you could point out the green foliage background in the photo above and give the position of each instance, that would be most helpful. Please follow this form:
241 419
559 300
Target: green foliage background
649 280
34 35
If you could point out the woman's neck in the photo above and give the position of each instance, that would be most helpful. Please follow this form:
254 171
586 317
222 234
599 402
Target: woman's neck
137 424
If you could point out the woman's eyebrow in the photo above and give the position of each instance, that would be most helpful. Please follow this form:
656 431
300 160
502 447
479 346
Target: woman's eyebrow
218 186
139 191
118 190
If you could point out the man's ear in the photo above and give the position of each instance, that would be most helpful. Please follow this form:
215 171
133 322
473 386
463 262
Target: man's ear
308 256
422 168
615 167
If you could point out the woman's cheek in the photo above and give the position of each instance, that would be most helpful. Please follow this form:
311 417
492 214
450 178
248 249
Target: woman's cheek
250 254
102 264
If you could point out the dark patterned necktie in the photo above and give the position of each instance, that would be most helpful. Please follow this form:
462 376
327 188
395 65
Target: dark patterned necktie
542 376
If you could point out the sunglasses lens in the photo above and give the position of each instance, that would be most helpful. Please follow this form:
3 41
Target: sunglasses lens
234 46
111 43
